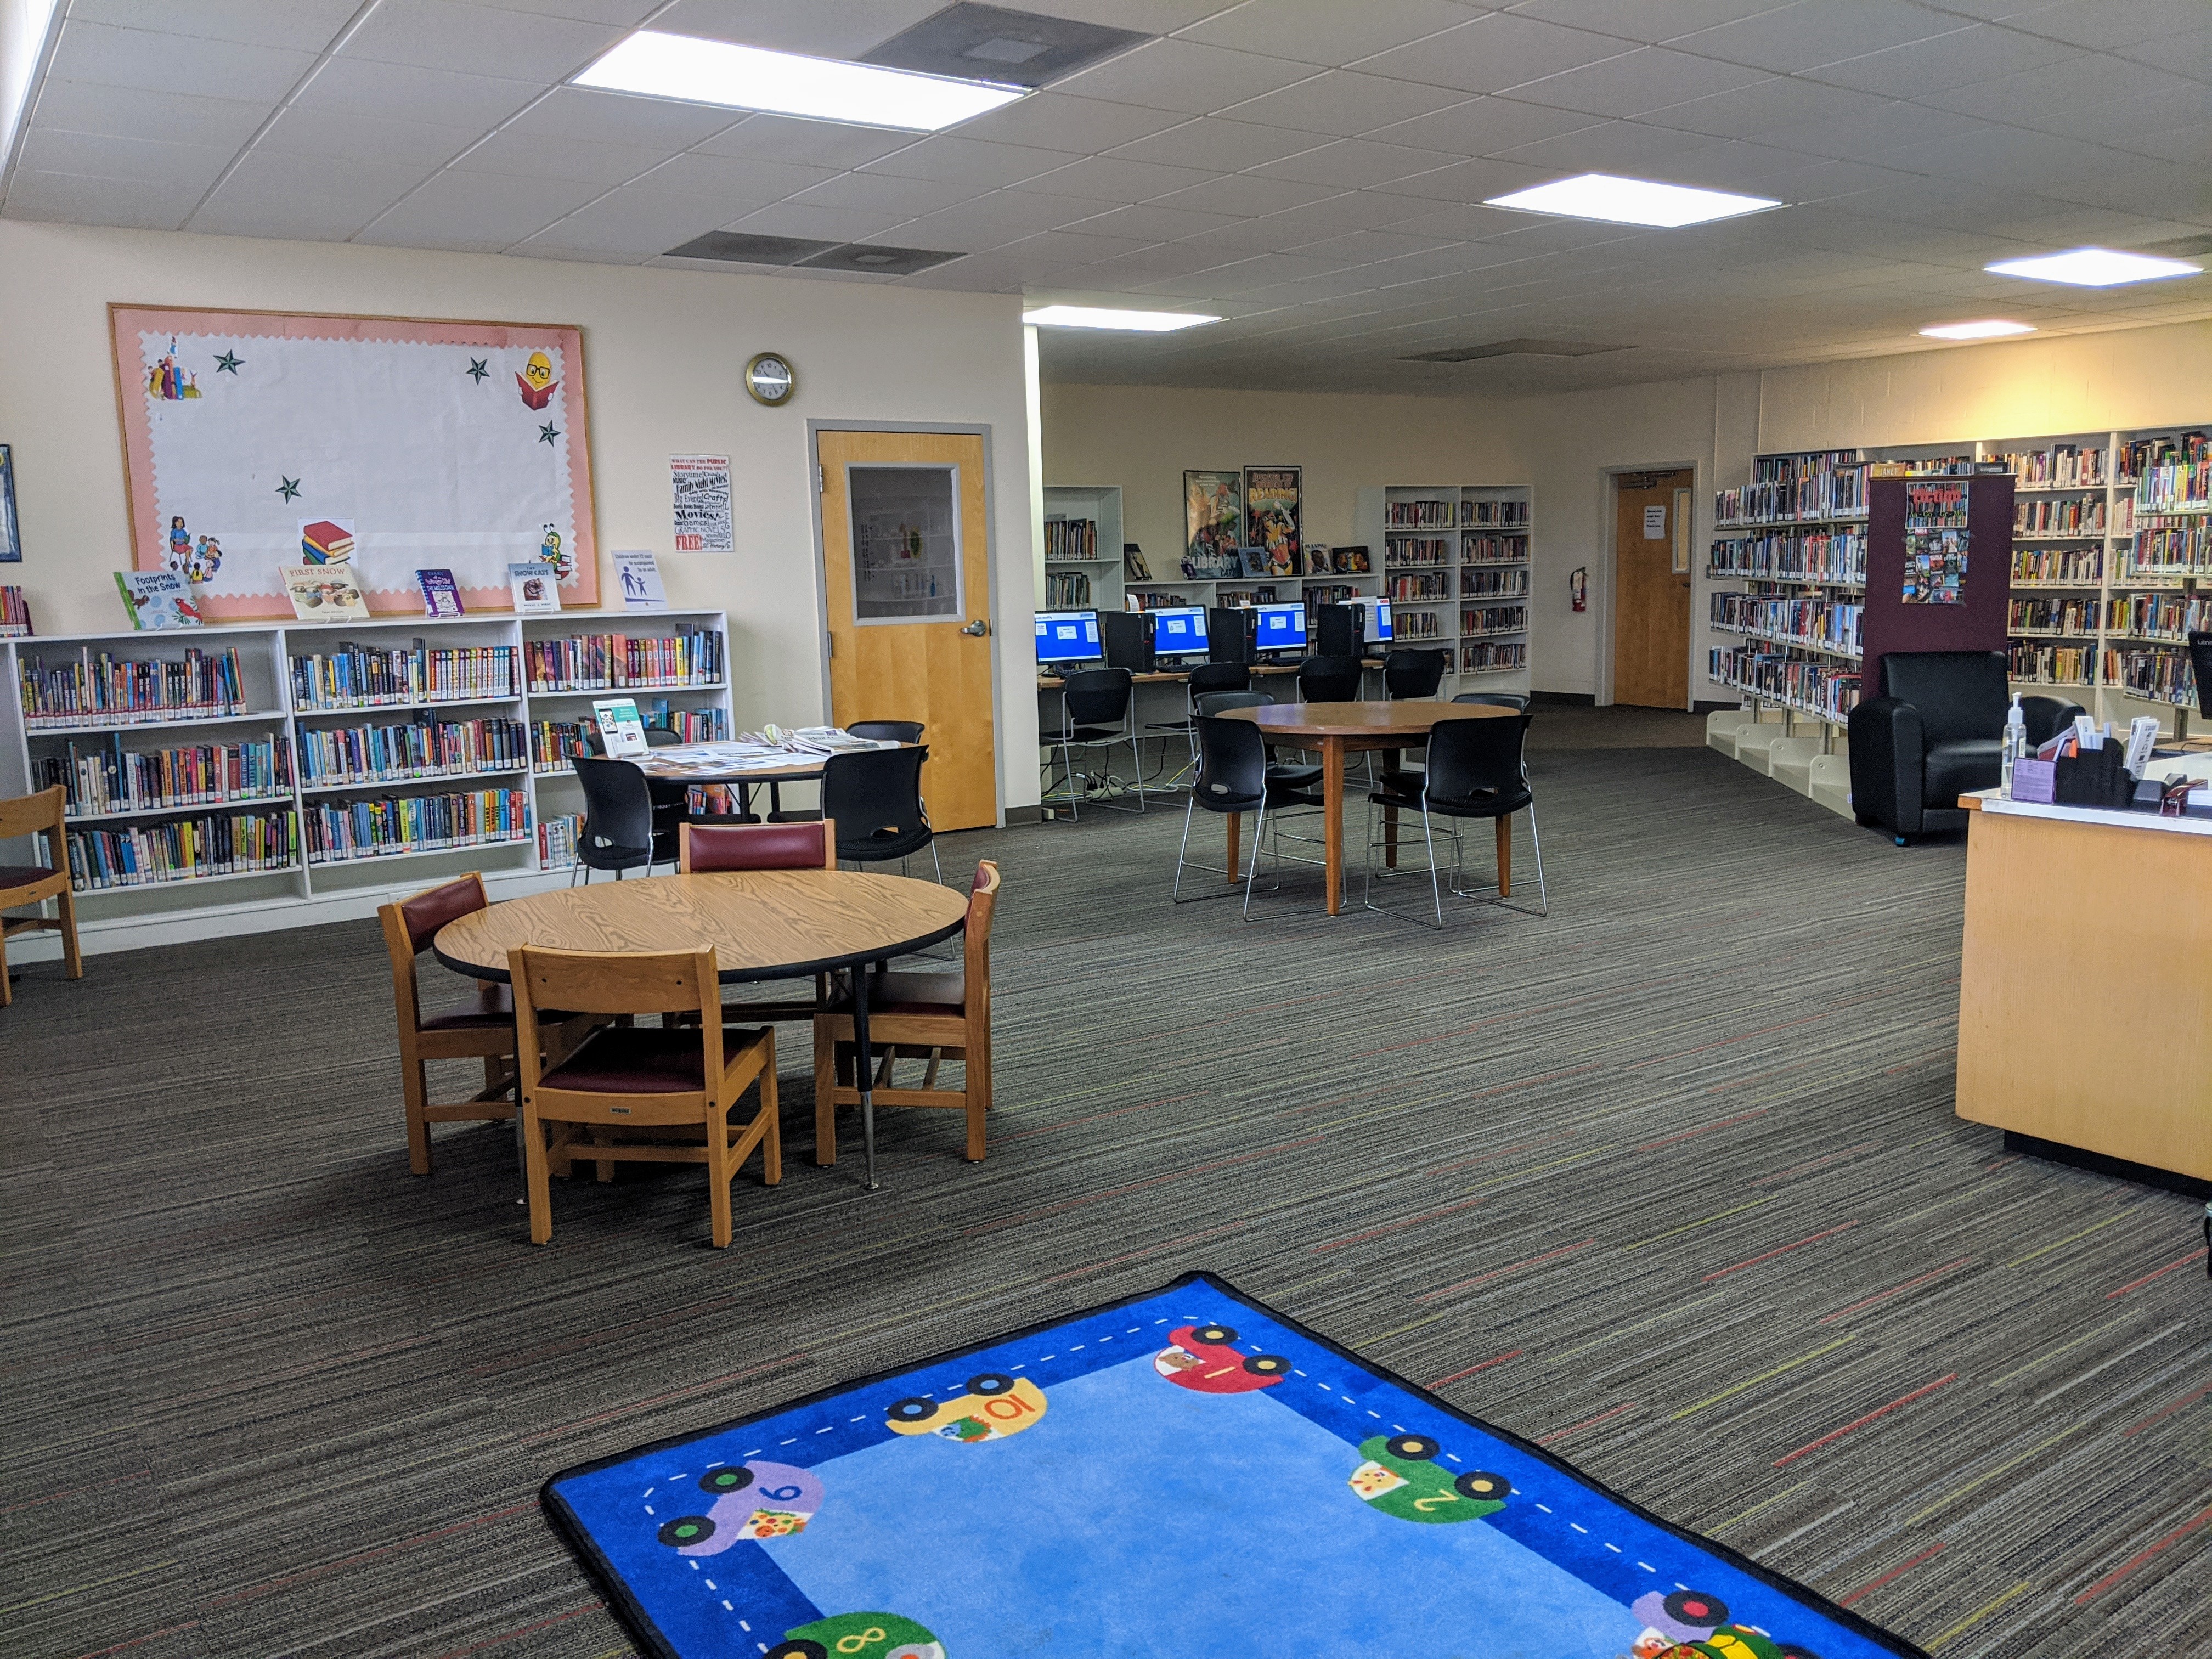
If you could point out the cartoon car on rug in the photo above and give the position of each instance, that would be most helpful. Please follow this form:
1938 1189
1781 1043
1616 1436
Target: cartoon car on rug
1401 1477
1692 1624
859 1636
1204 1360
994 1406
751 1500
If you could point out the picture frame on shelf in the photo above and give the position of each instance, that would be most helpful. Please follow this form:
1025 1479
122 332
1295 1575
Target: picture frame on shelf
1213 520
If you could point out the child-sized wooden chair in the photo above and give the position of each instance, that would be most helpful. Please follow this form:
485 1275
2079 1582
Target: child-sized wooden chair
34 884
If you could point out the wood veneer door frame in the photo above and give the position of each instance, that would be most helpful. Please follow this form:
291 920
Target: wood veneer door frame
1608 507
982 431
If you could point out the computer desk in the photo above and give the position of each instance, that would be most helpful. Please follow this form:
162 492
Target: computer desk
1176 676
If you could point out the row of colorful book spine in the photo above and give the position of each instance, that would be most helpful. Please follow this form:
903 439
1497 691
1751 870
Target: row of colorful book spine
1789 556
356 676
1070 538
2063 466
1828 624
2068 665
182 849
14 613
339 831
1491 515
1818 687
1492 657
600 662
105 689
116 779
1492 619
417 748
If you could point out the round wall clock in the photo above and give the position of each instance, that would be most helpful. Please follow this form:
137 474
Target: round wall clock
770 379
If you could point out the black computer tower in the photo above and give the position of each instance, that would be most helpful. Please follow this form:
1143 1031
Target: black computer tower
1127 636
1343 631
1229 633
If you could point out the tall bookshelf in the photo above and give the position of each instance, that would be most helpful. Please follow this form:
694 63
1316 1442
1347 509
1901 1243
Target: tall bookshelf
322 769
1082 548
1456 569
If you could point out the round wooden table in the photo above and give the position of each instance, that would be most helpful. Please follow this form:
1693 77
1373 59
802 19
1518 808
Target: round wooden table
1336 729
761 924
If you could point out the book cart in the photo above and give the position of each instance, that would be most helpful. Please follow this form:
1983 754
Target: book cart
232 779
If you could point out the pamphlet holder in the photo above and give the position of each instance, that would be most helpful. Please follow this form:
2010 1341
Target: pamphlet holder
2095 777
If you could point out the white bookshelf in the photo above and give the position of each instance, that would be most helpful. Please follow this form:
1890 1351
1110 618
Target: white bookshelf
319 885
1100 507
1454 565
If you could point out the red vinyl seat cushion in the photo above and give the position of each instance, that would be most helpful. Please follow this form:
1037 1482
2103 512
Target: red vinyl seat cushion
913 993
641 1061
24 875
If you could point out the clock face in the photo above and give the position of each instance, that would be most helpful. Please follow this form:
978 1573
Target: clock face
770 378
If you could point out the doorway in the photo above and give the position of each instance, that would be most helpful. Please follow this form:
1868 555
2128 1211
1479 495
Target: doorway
906 559
1651 588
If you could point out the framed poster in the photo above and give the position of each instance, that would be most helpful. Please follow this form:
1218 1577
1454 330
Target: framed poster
257 441
1271 517
11 539
1213 522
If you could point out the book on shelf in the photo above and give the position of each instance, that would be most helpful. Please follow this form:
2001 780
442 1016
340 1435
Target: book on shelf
325 593
557 840
157 599
337 756
340 832
536 587
103 689
442 595
107 778
1067 590
1070 539
622 732
183 849
638 573
1425 514
1133 565
15 614
355 675
609 662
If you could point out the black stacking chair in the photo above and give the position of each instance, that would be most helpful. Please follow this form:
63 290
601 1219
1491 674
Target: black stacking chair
619 821
1329 679
1098 710
887 730
1278 776
1474 771
1413 674
1512 700
874 798
1234 776
1205 679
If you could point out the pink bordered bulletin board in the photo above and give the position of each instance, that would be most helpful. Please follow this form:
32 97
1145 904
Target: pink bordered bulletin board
259 440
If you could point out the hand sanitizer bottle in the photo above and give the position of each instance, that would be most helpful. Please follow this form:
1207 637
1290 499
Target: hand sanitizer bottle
2015 744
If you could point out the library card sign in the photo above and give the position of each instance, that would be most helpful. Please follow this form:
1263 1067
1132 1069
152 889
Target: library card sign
257 441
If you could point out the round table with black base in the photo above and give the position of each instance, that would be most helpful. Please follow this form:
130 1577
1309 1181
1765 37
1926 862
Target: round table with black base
761 924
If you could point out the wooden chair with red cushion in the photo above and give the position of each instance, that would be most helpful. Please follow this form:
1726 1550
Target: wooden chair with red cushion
34 884
933 1016
652 1094
715 848
484 1032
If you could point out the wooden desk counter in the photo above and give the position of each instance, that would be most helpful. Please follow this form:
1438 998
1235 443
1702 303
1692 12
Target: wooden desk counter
2085 988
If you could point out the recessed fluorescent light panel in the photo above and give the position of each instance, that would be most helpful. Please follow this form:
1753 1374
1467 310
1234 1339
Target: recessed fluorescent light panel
681 66
1989 328
2093 267
1142 322
1631 201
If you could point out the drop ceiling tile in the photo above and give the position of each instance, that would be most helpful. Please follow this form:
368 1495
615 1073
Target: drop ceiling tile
478 212
736 179
1621 146
340 132
1774 104
2189 146
2079 83
1059 249
2109 24
981 273
2030 161
1145 222
111 57
1124 272
171 116
1053 120
2126 123
632 220
961 161
1353 163
628 14
1647 20
1216 145
1469 182
1303 290
399 91
1327 34
821 29
1483 126
188 169
1115 178
1363 247
299 24
1182 75
1637 83
533 157
1794 38
1354 209
316 198
1870 132
453 34
537 249
1754 169
1246 195
1496 52
910 197
808 144
1978 53
1003 216
2184 54
831 224
66 198
1343 102
1274 233
586 116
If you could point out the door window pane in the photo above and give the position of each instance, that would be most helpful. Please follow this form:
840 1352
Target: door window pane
906 542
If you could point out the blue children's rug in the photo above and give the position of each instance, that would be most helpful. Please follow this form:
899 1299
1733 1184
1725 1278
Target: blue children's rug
1185 1472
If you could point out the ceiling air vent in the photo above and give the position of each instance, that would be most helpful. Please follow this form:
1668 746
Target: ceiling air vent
739 249
1469 353
972 42
883 261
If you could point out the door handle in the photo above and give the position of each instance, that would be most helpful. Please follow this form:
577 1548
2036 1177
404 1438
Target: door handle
977 629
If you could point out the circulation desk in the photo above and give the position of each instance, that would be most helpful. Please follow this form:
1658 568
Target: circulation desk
2085 990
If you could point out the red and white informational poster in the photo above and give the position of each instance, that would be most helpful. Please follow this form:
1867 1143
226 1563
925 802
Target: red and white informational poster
700 503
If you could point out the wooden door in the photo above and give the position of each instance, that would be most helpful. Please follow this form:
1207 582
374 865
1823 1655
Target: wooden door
906 568
1650 598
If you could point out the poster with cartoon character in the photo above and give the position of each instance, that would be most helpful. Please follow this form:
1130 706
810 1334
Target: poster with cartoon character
259 442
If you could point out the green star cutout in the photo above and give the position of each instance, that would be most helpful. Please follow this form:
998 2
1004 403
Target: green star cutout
227 364
289 488
548 433
478 367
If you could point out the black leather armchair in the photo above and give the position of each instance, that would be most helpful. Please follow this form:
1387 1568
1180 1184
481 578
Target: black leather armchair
1936 733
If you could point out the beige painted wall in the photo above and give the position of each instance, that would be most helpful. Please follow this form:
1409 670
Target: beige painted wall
665 351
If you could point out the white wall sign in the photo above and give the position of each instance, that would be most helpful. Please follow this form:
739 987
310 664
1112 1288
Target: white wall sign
1655 523
700 503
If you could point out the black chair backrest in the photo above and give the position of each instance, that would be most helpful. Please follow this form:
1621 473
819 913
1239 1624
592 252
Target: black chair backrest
1127 637
1413 673
887 730
660 736
1220 702
1494 699
874 797
1219 677
1960 694
1329 679
618 813
1477 756
2044 716
1098 696
1232 764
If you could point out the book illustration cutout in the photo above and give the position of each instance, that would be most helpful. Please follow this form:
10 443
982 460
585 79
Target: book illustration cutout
157 599
639 572
537 587
1934 544
442 595
325 593
1273 517
324 542
620 728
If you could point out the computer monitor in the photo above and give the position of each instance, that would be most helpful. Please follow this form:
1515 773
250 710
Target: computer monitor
1179 631
1278 627
1382 630
1068 638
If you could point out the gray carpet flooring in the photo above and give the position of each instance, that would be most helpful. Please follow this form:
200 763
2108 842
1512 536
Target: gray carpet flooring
1669 1181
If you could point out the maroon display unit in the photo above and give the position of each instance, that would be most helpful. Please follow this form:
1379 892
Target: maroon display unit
1978 622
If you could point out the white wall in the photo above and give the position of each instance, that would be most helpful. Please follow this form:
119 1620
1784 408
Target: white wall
664 352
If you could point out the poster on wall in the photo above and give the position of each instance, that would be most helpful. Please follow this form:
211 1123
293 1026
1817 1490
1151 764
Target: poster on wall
1271 517
1213 524
699 488
1934 544
258 441
11 541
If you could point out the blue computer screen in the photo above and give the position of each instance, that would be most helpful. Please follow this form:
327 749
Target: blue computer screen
1382 619
1278 628
1179 631
1068 636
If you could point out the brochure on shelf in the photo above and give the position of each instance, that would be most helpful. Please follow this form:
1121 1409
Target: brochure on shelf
620 727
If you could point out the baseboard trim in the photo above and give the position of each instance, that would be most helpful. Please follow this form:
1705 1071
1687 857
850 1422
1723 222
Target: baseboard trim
1015 815
1702 707
1570 699
2102 1163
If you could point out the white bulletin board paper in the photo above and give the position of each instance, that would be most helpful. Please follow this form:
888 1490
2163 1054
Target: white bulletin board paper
456 446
